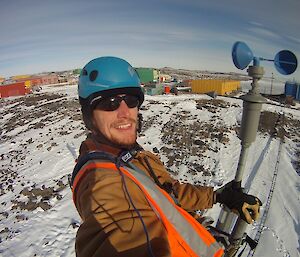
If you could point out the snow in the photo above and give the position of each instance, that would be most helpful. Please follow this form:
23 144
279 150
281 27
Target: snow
37 155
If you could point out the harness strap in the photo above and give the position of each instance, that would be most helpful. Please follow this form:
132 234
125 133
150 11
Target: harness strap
122 160
95 155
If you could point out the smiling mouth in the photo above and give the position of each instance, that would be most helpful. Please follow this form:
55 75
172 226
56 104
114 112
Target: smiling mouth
124 126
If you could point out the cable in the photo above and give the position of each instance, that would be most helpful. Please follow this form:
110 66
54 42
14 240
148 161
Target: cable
149 247
152 174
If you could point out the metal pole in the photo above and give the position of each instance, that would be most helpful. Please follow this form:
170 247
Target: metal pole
252 103
242 163
272 83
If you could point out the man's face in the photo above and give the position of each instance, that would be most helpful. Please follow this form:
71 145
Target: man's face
119 126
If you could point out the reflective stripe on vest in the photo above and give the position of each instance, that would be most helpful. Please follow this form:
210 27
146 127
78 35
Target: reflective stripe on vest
186 236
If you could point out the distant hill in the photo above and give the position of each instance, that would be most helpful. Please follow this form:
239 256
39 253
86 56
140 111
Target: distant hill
184 74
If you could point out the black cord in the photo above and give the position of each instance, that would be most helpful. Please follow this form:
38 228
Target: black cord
152 174
149 247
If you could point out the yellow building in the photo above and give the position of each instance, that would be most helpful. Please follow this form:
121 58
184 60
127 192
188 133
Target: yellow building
2 80
20 77
221 87
28 84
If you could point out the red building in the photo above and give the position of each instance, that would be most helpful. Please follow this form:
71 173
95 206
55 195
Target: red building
49 79
15 89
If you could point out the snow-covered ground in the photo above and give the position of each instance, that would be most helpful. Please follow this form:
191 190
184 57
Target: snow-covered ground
196 137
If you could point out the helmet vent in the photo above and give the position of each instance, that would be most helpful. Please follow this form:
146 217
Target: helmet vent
93 75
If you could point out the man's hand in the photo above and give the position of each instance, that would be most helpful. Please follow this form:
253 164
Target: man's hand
247 206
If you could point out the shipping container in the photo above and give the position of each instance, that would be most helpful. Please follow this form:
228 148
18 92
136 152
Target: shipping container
167 89
290 89
15 89
221 87
298 92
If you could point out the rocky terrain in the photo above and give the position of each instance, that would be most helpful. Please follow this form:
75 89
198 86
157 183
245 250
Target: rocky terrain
40 125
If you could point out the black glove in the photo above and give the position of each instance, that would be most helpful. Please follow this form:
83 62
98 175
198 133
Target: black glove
235 199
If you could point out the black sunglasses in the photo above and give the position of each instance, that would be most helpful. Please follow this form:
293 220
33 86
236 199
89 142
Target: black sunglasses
113 103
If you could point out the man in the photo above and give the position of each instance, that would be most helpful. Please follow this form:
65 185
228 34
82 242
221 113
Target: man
129 204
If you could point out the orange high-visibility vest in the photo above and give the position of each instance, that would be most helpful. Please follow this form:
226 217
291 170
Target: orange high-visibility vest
187 237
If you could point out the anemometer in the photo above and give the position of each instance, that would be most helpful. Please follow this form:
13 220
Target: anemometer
285 63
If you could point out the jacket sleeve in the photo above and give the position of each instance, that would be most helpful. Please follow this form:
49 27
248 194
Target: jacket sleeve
190 197
110 225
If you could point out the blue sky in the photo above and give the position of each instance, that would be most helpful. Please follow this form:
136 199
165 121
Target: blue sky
55 35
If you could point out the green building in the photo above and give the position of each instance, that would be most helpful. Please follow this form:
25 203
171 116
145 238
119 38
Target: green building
76 71
147 74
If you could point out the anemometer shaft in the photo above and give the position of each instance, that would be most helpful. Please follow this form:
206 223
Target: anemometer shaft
252 104
241 164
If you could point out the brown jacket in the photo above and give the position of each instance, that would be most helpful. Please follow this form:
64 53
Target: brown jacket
111 226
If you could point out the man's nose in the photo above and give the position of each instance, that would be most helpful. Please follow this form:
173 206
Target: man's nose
123 110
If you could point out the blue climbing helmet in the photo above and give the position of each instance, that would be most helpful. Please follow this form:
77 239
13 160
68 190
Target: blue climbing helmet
104 77
107 76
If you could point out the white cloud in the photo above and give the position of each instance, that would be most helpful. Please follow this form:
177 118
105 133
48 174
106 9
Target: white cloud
263 32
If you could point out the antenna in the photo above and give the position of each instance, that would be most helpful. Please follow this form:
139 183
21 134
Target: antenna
285 61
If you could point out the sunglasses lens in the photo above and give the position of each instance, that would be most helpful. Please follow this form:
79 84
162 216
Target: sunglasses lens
131 101
107 104
113 103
